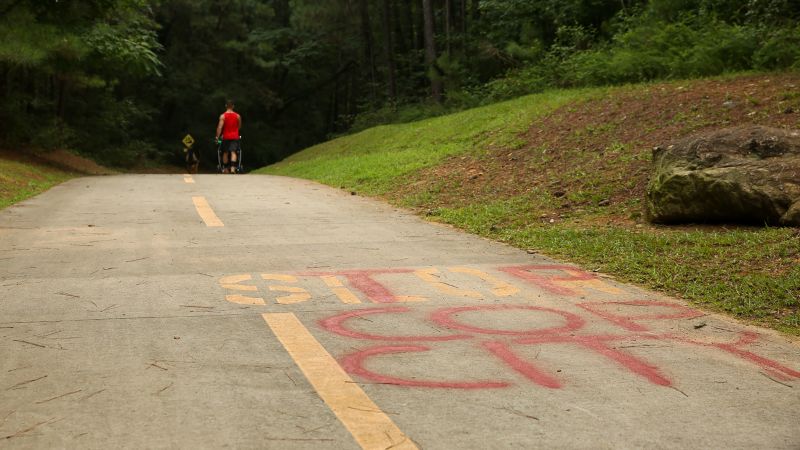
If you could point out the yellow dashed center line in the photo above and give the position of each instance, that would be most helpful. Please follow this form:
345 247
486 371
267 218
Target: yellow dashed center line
370 426
206 213
188 179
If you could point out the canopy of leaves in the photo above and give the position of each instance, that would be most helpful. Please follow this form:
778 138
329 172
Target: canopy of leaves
124 80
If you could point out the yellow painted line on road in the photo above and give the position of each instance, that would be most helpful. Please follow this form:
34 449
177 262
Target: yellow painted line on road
499 287
240 287
188 179
370 426
344 294
206 213
297 294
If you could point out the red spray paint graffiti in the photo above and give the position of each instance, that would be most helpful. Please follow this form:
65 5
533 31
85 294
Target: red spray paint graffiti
628 322
566 334
336 324
445 318
364 281
532 274
632 320
355 362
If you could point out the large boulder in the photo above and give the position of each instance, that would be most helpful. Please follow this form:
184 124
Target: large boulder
747 174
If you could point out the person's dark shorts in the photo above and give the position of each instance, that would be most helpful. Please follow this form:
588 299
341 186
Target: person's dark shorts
192 156
230 145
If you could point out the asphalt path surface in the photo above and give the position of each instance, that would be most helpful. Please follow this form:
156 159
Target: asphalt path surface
168 311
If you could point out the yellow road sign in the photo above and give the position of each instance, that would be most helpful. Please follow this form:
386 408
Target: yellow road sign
188 141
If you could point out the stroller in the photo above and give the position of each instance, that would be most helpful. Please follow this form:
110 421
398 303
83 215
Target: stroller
221 166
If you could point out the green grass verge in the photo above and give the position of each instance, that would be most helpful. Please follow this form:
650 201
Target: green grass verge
21 180
750 273
375 160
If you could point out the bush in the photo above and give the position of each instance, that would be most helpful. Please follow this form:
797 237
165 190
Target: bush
397 114
780 50
128 155
648 50
693 46
519 82
664 39
53 135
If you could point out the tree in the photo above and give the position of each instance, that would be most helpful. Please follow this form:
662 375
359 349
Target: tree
367 42
388 48
65 65
430 52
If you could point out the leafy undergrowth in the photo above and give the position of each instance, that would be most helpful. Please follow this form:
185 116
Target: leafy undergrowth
564 173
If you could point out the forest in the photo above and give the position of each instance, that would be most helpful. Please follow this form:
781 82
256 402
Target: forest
122 81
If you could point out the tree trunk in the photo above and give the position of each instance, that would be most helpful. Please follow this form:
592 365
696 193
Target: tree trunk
430 51
407 13
334 109
448 25
283 12
5 90
63 87
463 14
419 25
366 36
401 30
4 83
388 48
476 11
350 109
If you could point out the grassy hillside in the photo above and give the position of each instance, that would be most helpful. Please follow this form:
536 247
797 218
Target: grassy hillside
377 160
564 173
20 179
31 172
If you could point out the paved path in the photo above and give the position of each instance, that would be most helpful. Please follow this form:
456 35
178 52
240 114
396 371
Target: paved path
266 312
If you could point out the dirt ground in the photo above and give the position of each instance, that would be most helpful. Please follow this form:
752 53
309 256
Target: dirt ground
70 162
60 159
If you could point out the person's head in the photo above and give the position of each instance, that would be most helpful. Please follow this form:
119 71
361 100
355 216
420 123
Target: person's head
229 104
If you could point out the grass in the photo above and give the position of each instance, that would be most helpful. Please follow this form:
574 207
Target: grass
21 180
533 172
378 159
750 273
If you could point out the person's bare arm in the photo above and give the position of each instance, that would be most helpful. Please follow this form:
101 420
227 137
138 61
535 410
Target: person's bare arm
220 124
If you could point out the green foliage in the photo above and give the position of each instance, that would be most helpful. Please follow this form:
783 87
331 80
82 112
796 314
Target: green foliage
54 134
781 49
524 47
65 68
97 74
689 48
665 39
24 43
132 47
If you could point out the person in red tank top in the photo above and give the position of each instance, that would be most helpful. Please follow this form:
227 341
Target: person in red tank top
228 130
